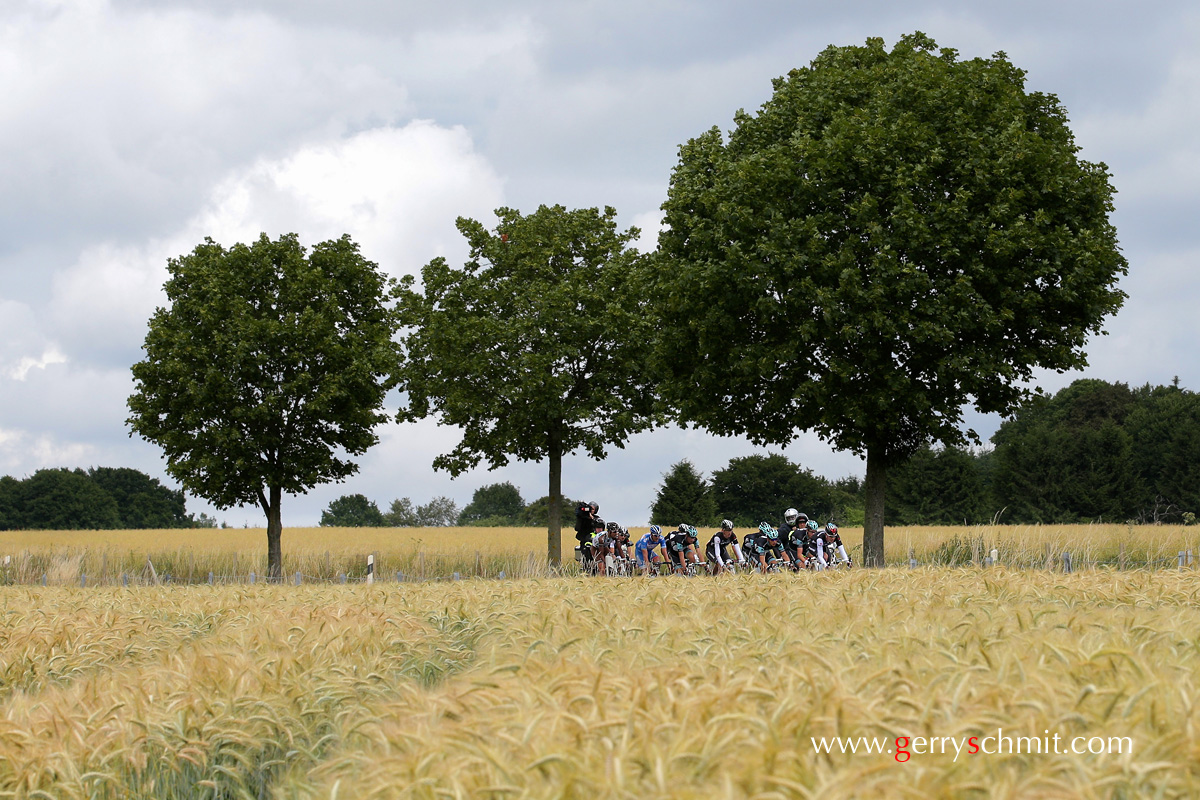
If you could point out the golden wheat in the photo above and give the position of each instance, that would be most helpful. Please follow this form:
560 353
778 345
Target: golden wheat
327 554
601 688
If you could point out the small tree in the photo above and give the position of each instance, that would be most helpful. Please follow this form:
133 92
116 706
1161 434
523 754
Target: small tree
401 514
538 511
266 370
534 348
352 511
440 512
683 497
500 502
893 237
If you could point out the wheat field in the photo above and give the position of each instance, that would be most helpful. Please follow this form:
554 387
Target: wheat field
328 554
573 687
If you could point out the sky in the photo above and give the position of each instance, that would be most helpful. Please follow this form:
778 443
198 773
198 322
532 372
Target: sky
132 129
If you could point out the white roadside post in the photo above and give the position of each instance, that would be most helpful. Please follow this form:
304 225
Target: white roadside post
370 569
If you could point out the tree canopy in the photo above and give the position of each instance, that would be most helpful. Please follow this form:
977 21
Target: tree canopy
892 237
101 497
352 511
758 488
535 347
267 370
500 503
684 496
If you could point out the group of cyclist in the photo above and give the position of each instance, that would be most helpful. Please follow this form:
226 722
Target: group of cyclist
799 543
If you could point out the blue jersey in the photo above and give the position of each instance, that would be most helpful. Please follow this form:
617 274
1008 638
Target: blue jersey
645 545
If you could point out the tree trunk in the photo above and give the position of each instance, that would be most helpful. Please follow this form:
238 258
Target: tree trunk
874 487
554 525
274 531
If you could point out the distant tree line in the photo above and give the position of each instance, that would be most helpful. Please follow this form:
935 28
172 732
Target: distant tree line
1095 451
497 504
100 498
753 489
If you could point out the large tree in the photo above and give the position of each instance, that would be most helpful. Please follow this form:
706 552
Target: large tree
758 488
893 236
267 370
142 502
64 499
535 347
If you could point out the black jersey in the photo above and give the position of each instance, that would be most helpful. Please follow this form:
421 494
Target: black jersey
810 545
757 544
792 536
677 542
719 541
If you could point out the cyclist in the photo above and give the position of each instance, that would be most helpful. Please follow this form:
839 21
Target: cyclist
585 531
791 540
716 551
647 559
681 548
833 544
814 546
760 544
606 547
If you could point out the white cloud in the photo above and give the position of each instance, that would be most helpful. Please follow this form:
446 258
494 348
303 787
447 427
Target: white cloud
50 356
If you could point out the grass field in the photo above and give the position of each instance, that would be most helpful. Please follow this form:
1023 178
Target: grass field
571 687
325 554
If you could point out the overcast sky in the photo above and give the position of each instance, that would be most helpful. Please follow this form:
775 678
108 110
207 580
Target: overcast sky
129 131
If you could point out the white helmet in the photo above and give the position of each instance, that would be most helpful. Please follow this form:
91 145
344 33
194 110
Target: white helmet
790 516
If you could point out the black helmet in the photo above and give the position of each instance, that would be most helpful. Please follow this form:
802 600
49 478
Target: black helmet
613 528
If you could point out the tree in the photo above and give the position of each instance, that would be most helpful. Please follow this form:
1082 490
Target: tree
10 503
535 347
499 502
142 502
353 511
64 499
937 487
440 512
755 488
539 511
894 236
401 514
267 370
683 497
1068 458
1165 425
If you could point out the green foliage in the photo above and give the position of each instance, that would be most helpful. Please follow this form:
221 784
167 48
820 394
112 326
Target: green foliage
758 488
353 511
684 497
401 514
142 502
1100 451
440 512
537 513
500 502
267 370
894 236
10 503
63 499
535 347
937 487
